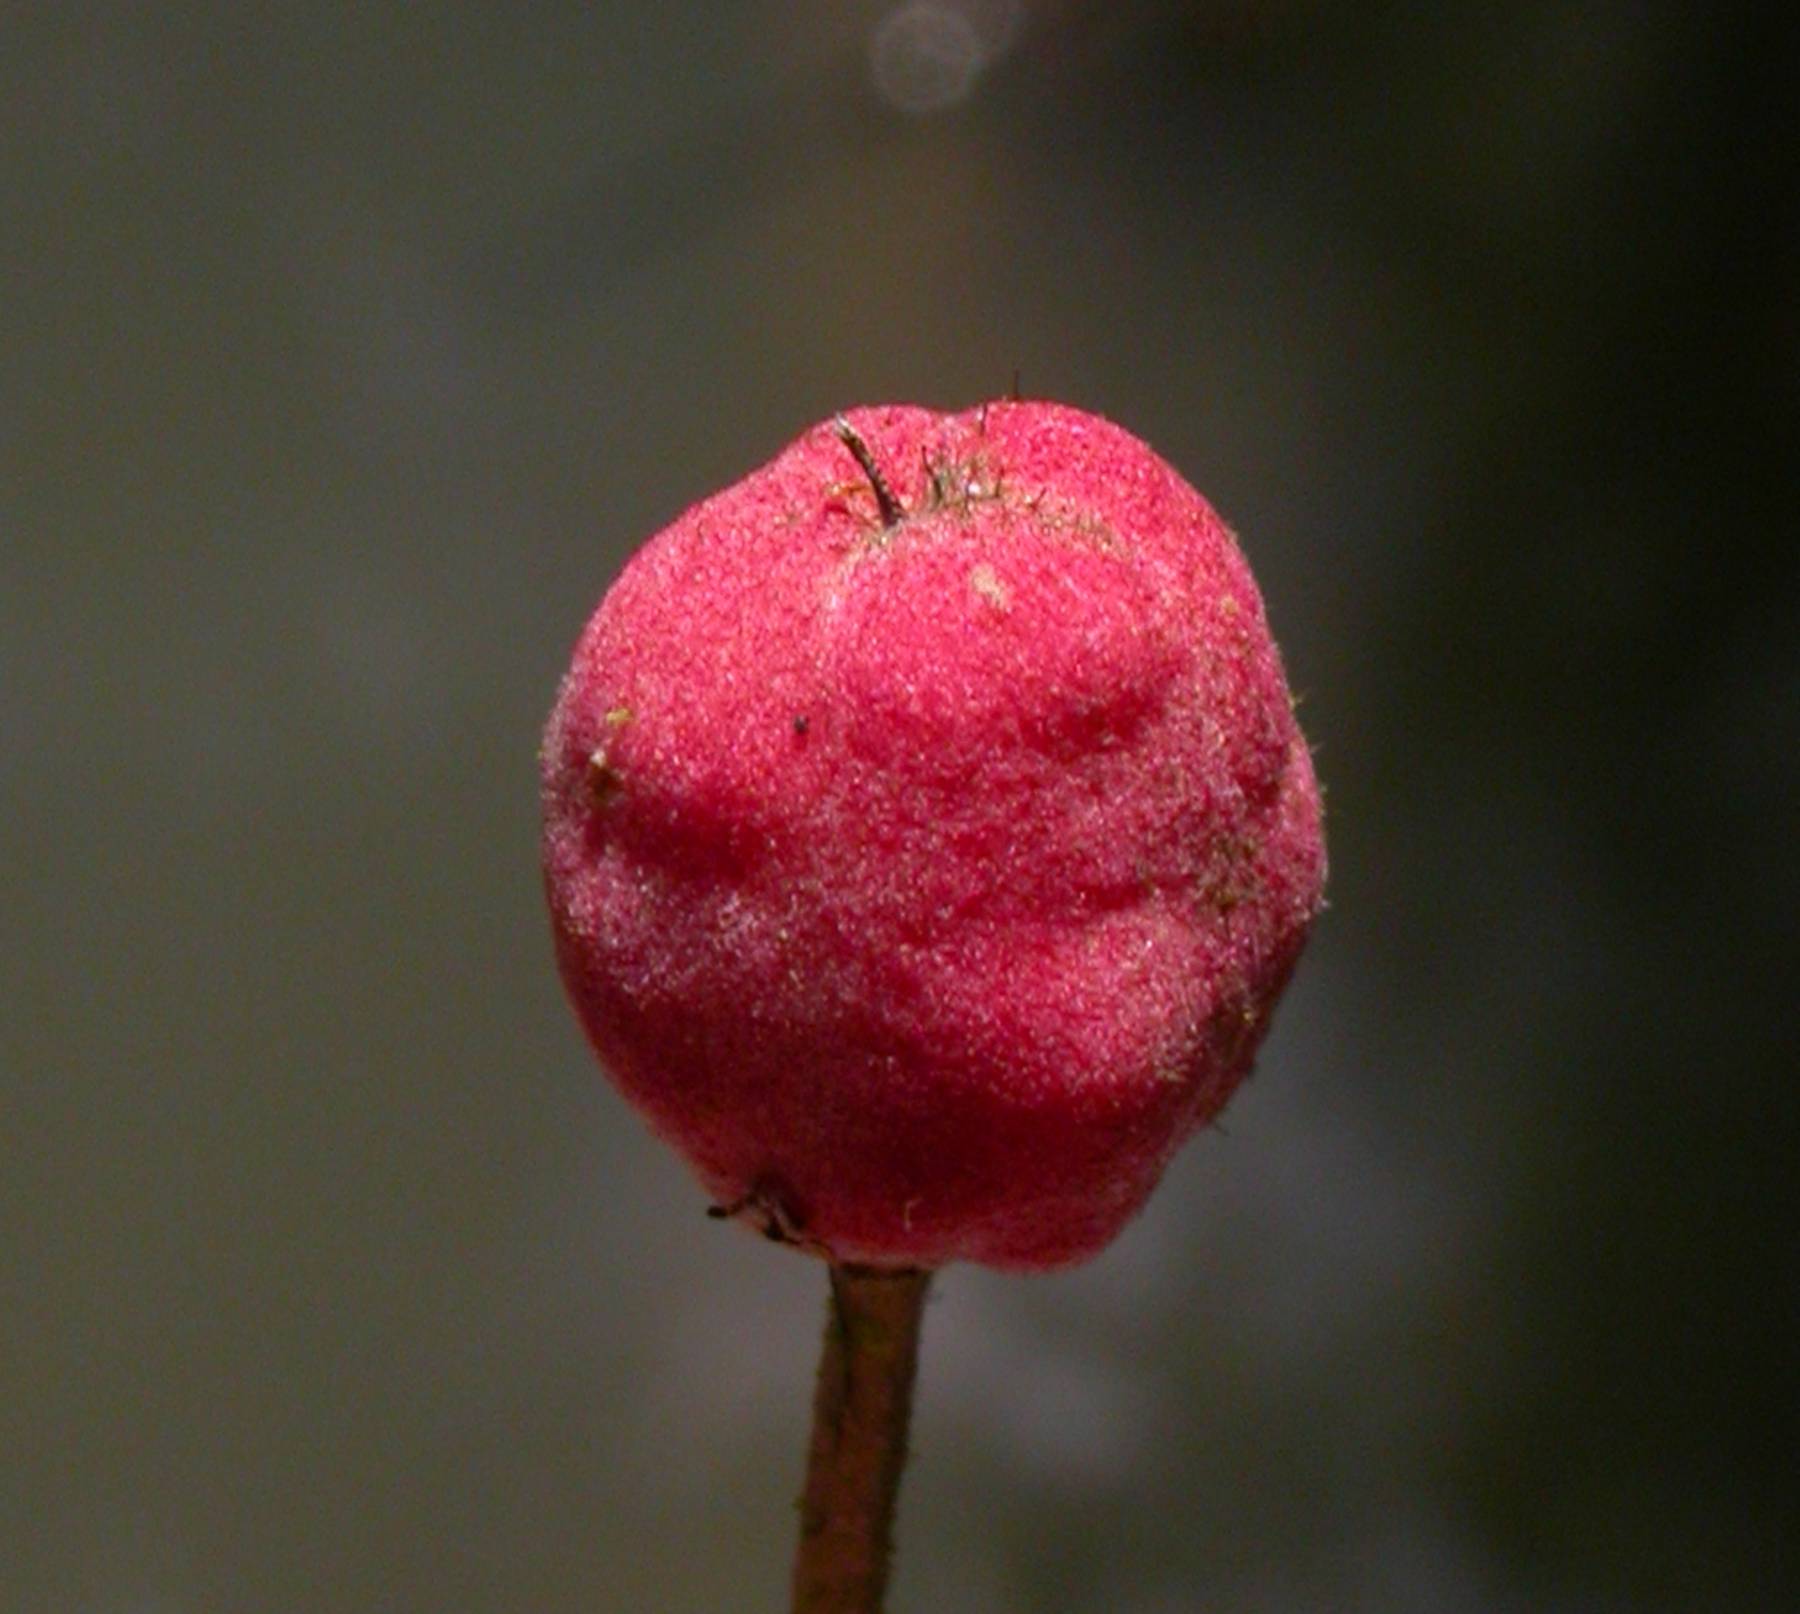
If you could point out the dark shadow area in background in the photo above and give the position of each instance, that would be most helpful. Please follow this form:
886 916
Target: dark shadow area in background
294 1321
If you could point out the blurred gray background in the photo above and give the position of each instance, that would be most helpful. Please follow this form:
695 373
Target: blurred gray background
345 353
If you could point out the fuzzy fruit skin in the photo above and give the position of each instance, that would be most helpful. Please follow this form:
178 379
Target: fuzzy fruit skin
927 885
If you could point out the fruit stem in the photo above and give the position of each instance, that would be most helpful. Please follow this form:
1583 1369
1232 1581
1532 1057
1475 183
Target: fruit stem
852 439
861 1409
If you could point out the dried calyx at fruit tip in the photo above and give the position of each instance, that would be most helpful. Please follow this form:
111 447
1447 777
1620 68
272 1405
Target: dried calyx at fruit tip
928 834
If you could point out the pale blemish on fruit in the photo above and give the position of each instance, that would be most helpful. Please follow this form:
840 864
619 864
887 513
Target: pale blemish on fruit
986 582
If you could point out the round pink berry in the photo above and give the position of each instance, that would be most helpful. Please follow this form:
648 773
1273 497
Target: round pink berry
928 834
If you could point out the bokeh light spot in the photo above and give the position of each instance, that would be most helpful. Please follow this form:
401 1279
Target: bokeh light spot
926 57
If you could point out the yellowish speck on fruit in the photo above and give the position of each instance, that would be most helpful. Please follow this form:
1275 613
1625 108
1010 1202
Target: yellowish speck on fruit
986 582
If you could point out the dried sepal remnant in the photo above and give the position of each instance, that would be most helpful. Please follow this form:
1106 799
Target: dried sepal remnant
949 480
955 482
885 501
767 1207
947 870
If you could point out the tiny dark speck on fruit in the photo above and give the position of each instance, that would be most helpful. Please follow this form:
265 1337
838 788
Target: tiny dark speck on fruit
602 778
801 725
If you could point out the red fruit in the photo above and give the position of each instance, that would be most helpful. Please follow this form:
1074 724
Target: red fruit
927 850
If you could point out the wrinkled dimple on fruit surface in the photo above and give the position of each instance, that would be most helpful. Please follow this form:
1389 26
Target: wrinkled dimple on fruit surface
927 883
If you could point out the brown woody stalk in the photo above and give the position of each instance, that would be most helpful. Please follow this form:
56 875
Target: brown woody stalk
860 1414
